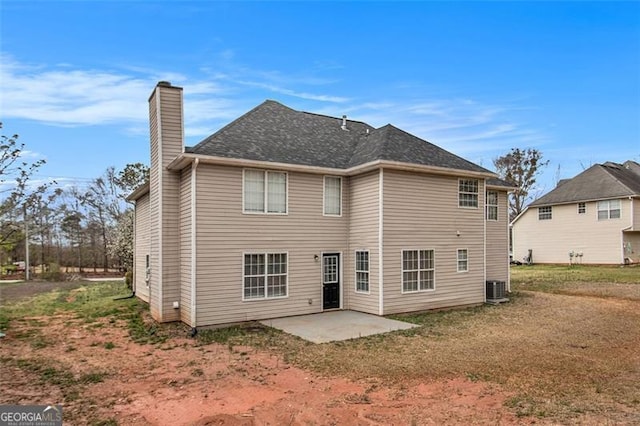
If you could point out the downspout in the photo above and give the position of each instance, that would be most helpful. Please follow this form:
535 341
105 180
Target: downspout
380 242
194 223
484 243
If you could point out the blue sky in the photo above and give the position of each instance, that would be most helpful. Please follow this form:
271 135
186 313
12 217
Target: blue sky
476 78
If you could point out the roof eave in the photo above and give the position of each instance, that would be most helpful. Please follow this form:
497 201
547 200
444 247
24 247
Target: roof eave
184 159
139 192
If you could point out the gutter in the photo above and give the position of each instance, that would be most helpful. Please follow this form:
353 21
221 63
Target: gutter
184 159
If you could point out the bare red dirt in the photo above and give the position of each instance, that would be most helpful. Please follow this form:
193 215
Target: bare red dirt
181 383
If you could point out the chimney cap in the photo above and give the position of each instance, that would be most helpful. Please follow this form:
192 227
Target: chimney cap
164 83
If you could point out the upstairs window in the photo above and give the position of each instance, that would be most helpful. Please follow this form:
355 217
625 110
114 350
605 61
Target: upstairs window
609 209
265 192
544 213
332 196
468 193
492 205
582 208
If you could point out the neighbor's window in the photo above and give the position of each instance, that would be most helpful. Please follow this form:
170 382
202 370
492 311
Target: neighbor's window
418 270
492 205
609 209
265 275
463 260
332 196
582 208
362 271
544 213
265 192
468 193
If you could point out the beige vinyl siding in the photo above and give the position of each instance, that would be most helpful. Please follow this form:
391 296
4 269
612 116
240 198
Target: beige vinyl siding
166 145
363 235
498 242
142 246
225 234
636 214
552 240
421 212
185 246
154 211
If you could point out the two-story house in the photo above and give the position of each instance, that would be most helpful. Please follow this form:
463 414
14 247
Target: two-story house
283 212
593 218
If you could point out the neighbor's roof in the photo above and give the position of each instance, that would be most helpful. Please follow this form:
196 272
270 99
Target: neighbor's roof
598 182
275 133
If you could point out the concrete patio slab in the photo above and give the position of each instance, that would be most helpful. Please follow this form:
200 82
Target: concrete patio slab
336 325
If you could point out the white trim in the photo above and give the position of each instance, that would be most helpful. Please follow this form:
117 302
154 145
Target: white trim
160 222
194 224
355 271
266 275
324 195
465 271
428 290
381 242
266 191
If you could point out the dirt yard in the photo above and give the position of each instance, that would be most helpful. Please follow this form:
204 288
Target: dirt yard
109 364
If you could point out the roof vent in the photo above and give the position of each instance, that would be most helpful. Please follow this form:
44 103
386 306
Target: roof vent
344 123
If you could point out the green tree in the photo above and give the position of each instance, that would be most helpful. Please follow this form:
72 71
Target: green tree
522 168
131 177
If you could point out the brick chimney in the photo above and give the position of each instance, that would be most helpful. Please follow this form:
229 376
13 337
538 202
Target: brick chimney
166 137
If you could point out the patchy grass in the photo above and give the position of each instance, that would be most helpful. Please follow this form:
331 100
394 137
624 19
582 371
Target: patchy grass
89 303
621 282
562 356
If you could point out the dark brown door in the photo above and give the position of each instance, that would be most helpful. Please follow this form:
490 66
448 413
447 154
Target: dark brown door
331 281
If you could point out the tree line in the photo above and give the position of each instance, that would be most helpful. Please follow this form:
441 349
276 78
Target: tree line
87 229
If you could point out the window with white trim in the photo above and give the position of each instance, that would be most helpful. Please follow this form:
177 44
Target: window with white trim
362 271
264 275
418 270
582 208
463 260
468 193
332 196
264 191
545 213
609 209
492 205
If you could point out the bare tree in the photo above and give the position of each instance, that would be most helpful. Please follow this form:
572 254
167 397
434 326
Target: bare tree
520 167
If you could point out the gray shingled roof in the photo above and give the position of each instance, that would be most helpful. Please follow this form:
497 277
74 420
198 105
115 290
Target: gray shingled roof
275 133
598 182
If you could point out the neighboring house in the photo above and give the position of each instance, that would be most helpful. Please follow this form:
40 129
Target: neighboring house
592 218
283 212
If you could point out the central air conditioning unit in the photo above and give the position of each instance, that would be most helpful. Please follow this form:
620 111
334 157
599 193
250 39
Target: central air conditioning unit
496 292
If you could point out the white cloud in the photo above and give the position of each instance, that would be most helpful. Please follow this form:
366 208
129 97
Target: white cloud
64 95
